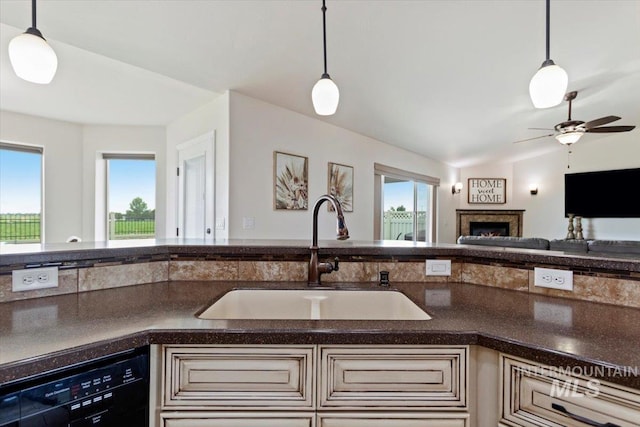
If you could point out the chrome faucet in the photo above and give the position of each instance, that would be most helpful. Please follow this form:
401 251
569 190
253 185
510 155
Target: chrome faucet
316 268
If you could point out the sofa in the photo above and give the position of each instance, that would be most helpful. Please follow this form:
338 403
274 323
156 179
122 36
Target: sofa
591 247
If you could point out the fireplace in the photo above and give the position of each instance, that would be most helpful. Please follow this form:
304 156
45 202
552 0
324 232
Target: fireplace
491 229
478 222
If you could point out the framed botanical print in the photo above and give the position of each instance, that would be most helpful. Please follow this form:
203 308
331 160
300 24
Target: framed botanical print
290 181
341 185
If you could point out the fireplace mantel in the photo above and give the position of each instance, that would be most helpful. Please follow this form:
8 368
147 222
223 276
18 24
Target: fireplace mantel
513 216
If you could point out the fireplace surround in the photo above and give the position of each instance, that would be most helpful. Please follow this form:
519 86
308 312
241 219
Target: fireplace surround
489 220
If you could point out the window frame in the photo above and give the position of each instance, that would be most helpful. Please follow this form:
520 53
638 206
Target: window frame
381 171
32 149
106 157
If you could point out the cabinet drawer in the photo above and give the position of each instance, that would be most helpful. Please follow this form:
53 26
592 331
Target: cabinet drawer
238 376
380 377
393 420
529 392
238 419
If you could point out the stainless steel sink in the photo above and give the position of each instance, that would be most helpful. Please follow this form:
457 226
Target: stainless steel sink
314 304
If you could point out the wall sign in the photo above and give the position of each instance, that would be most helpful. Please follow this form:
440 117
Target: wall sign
487 191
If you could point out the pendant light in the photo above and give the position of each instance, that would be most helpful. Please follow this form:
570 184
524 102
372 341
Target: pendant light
31 56
549 84
325 94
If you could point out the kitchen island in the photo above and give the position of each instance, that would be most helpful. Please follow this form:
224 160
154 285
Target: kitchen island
98 311
47 333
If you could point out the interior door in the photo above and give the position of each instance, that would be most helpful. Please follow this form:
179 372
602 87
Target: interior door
194 172
196 189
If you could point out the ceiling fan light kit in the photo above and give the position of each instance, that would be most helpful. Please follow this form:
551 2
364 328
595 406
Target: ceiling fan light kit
549 83
325 94
31 56
569 138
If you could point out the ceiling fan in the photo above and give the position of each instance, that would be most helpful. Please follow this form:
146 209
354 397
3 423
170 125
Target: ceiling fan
570 131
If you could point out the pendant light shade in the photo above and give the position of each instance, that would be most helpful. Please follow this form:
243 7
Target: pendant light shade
549 84
31 56
325 94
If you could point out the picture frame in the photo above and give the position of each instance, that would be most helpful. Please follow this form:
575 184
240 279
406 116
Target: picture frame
340 185
290 181
487 191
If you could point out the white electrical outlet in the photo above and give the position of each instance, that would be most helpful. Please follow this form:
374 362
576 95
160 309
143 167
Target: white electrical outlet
34 278
554 279
438 267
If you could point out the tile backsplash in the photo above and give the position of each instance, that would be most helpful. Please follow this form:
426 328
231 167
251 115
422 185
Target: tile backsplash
599 287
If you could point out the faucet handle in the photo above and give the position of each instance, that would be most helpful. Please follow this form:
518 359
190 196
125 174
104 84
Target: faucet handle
336 261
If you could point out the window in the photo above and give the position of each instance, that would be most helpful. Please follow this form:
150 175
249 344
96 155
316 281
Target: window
131 196
405 205
20 194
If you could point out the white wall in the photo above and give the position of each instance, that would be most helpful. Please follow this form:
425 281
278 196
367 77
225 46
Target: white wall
257 129
62 142
214 116
544 212
98 139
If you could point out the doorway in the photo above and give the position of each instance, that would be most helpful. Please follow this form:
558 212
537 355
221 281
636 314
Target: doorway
405 205
196 188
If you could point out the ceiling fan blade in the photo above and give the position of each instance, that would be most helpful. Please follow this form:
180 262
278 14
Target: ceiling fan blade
605 129
531 139
541 128
601 121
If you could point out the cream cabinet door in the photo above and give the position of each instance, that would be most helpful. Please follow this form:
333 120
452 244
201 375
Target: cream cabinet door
536 395
379 377
237 419
238 376
393 420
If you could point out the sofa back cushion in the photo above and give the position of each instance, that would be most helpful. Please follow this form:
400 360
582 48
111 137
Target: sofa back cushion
505 242
615 247
572 245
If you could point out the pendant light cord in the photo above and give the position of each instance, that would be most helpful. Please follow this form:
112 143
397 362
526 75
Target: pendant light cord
33 13
324 37
548 25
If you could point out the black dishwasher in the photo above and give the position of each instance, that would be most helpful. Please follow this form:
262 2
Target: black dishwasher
111 391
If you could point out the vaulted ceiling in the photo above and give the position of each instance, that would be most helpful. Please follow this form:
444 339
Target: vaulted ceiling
445 79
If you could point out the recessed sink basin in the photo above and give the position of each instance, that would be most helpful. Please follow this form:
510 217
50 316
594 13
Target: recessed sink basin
314 304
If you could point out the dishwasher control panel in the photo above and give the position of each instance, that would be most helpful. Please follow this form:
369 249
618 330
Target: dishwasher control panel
105 394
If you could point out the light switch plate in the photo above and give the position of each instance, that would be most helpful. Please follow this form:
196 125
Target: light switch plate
220 223
438 267
248 223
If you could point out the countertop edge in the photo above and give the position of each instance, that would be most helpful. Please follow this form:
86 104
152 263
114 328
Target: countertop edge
240 248
27 368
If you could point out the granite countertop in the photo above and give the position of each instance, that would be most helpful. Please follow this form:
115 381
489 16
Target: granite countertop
47 333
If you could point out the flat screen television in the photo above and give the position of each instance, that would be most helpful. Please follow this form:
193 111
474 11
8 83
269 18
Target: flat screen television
603 194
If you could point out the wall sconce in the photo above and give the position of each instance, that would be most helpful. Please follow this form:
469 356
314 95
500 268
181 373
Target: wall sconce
533 189
456 188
